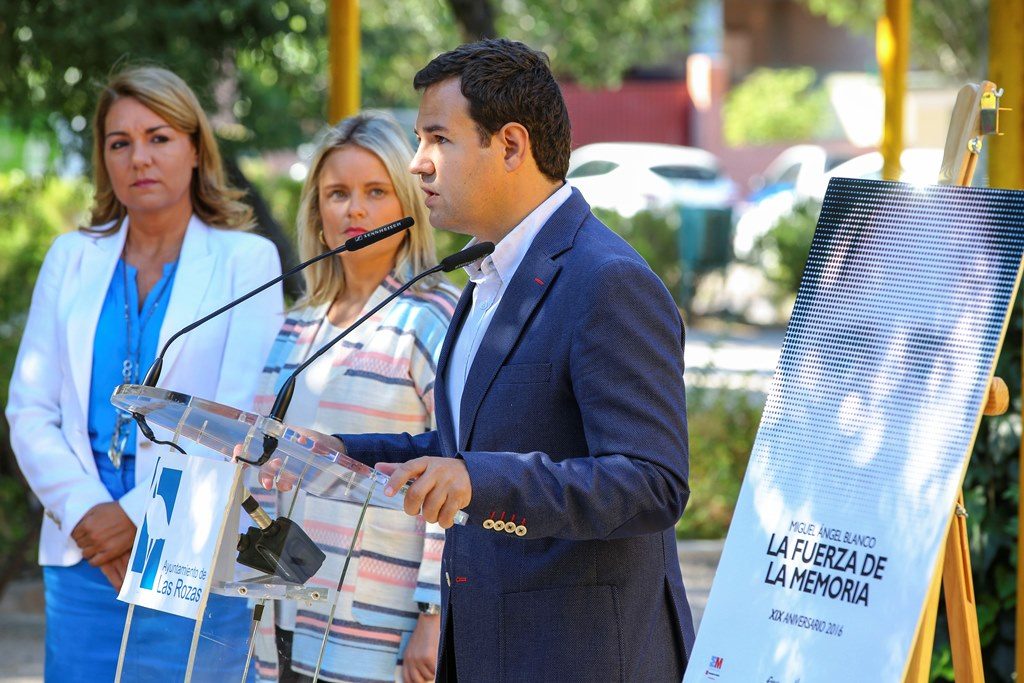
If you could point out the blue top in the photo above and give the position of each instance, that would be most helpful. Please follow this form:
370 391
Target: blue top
111 347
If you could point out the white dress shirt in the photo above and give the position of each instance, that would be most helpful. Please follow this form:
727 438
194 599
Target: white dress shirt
491 276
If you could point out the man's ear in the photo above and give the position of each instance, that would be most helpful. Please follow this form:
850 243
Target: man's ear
515 144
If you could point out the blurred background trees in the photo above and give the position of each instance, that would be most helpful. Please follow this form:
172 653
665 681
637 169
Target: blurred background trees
260 68
948 35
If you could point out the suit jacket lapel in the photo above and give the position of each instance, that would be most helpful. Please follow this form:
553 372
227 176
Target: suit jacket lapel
442 411
530 283
191 282
517 304
99 259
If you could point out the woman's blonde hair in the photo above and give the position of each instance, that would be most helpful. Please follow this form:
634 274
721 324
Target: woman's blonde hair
169 97
379 133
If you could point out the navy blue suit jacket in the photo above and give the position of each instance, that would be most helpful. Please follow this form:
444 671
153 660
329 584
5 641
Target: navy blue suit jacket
573 420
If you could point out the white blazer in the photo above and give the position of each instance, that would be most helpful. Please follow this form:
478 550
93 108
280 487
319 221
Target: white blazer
49 394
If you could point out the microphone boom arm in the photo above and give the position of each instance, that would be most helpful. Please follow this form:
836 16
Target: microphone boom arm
351 244
284 396
448 264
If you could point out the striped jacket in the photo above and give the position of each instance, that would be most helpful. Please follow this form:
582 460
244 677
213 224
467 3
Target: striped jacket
379 378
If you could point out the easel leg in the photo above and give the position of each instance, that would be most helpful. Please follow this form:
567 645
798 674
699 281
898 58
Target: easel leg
961 611
953 575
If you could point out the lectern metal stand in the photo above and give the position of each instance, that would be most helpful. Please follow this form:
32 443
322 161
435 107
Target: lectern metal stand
302 458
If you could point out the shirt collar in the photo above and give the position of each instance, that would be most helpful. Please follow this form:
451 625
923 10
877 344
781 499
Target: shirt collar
510 251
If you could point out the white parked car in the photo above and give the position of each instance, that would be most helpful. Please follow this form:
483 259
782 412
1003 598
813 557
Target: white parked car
919 165
793 176
627 177
796 170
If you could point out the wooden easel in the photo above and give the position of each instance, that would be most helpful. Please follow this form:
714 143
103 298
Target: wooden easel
975 115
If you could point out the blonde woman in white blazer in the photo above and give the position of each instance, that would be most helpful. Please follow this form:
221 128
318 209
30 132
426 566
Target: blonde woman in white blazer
165 246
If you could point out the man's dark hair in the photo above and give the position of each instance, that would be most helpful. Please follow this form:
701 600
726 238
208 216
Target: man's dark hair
507 81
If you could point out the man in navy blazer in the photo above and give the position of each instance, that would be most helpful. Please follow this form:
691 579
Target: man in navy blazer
561 411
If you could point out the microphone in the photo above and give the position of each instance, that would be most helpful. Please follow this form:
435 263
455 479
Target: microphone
351 244
279 547
463 258
447 264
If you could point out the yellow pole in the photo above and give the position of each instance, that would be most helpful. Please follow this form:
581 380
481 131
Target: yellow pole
1006 169
1006 70
343 57
892 47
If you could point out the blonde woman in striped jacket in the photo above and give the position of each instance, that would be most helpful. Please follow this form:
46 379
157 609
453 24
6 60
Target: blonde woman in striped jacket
379 379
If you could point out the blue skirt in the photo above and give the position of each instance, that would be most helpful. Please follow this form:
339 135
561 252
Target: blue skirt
85 622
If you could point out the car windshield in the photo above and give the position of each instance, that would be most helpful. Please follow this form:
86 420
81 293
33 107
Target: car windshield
680 172
831 161
592 168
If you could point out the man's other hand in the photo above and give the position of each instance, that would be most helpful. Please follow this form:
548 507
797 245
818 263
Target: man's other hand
419 662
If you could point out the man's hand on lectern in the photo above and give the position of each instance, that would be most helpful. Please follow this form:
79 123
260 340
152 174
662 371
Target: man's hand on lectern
441 487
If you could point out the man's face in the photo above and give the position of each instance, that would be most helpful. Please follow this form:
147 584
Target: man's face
464 182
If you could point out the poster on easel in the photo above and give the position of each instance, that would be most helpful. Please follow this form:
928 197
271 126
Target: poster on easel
865 435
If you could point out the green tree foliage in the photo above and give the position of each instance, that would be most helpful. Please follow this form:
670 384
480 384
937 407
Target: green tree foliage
54 53
262 65
398 39
782 250
35 211
681 244
594 41
722 425
776 105
590 41
946 35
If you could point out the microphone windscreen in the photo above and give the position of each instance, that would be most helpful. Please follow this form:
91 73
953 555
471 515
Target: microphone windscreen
377 234
466 256
250 505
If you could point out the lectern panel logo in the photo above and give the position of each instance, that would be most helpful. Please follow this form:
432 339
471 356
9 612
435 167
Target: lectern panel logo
163 494
714 668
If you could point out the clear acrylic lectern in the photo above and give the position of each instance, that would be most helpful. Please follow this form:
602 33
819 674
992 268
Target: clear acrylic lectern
271 560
